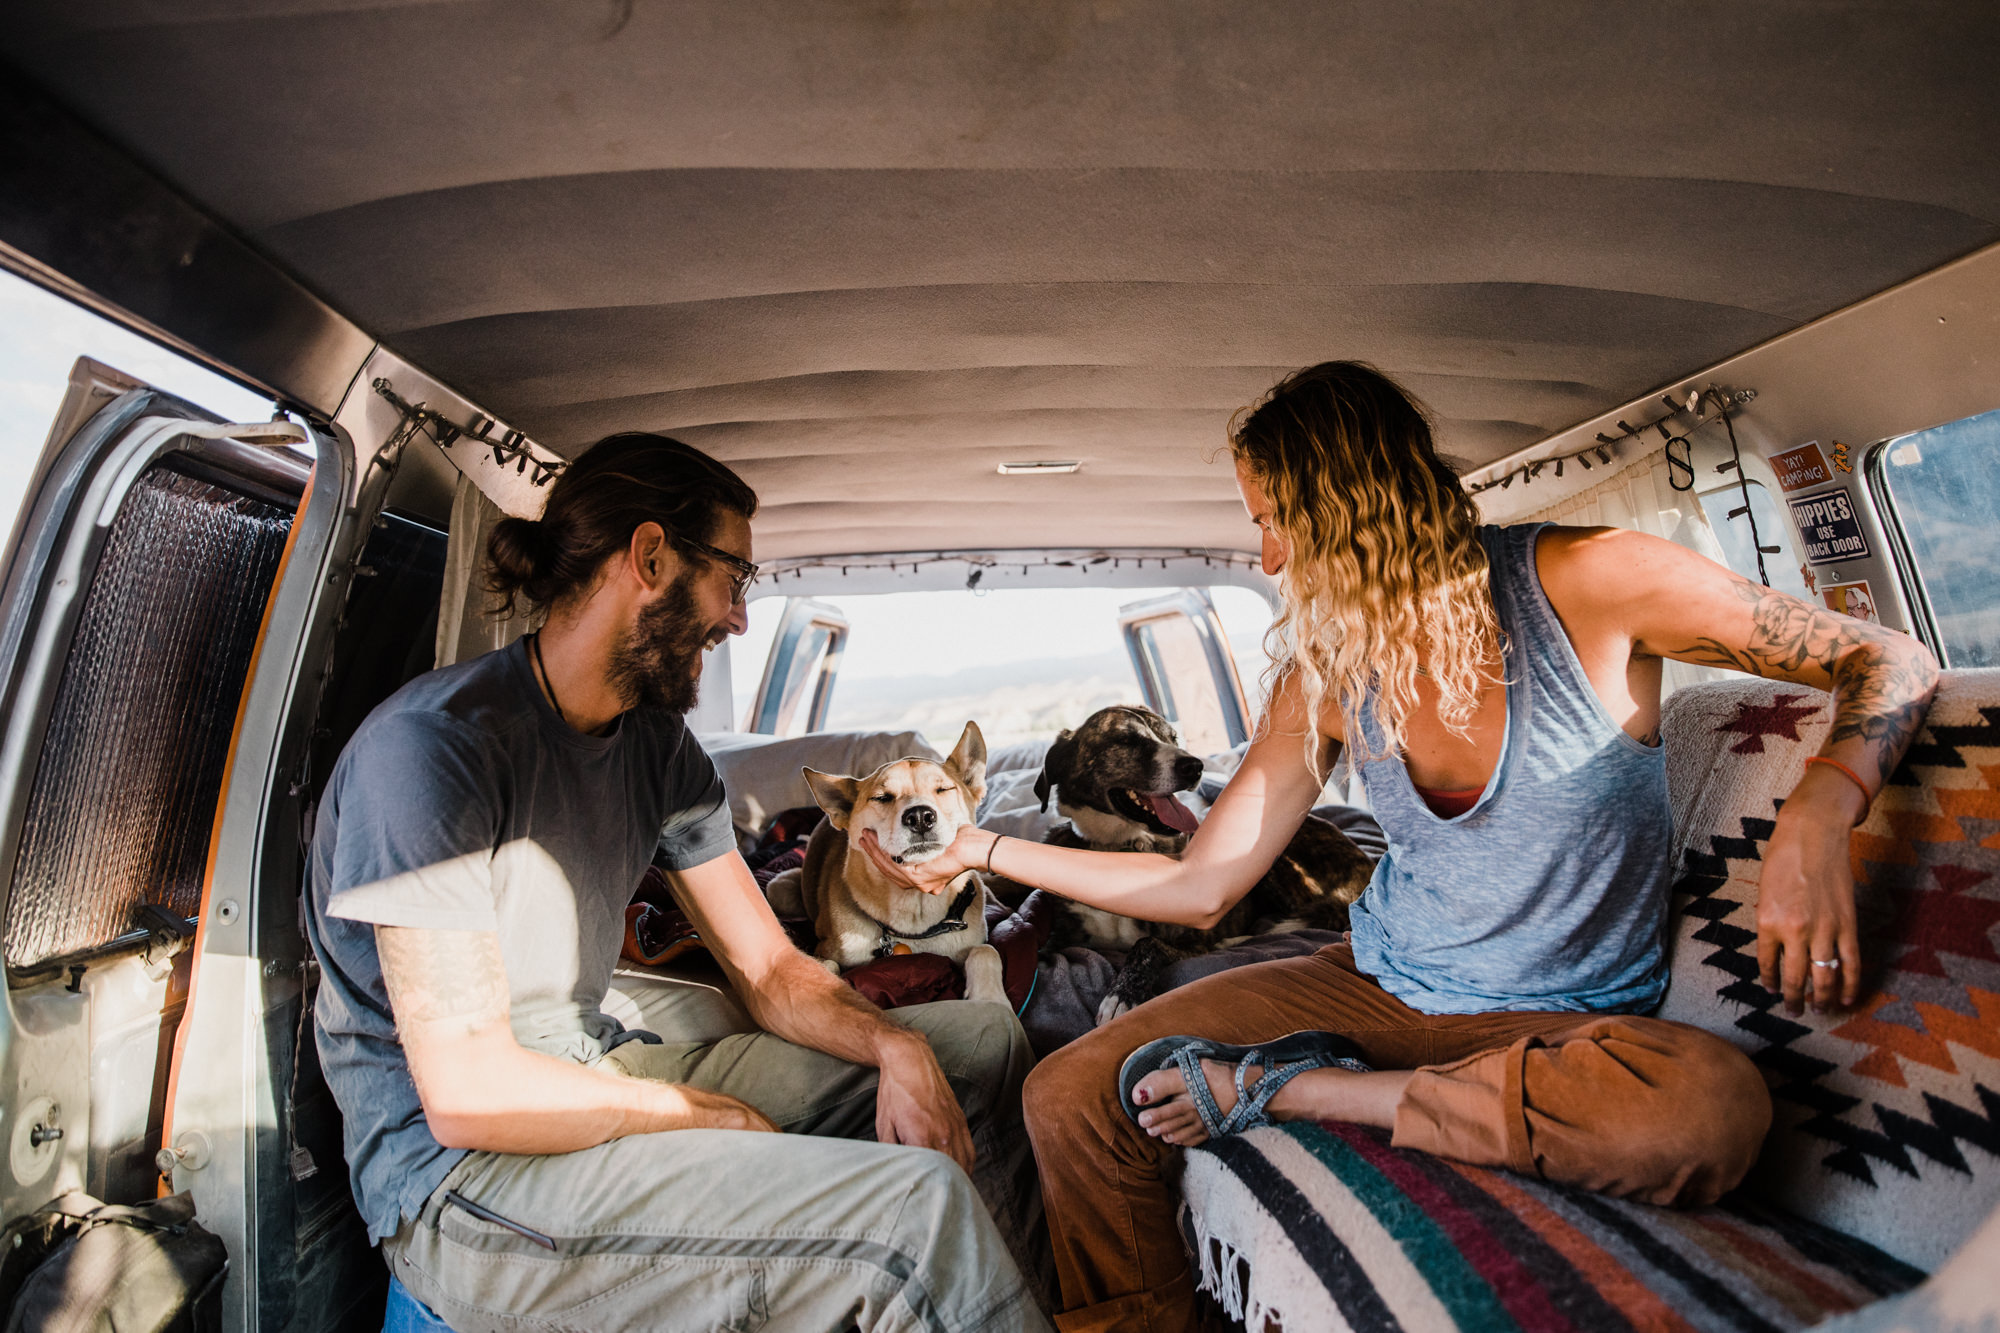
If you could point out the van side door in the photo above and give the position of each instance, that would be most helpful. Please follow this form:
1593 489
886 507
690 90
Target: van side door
159 594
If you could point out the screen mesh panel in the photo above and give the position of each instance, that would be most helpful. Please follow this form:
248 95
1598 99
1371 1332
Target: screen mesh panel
125 789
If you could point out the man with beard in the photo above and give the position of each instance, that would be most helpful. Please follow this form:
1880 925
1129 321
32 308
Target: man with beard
525 1160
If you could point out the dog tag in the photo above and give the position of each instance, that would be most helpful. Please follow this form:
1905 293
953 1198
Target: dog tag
899 948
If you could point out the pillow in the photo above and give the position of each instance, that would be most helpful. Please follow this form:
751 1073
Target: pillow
1021 754
761 773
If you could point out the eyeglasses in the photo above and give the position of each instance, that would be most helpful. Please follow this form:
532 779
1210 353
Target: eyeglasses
745 573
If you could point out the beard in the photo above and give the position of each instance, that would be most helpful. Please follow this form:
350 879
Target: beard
658 665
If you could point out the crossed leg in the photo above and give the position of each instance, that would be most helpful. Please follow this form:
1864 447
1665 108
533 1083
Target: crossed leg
1601 1102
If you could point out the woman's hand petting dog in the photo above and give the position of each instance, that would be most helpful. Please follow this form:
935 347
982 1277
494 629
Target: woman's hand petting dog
967 852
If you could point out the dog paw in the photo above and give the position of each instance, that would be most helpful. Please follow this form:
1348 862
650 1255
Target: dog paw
985 978
1112 1006
829 965
786 892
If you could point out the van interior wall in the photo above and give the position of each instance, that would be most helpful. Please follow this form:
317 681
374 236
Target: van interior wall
1917 355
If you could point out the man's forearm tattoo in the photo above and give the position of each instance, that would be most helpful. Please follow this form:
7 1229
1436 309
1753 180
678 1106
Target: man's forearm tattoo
443 974
1882 681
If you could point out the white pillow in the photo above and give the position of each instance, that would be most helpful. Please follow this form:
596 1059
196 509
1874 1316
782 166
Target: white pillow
761 773
1021 754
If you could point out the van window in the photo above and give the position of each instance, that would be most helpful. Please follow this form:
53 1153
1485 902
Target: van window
41 336
131 765
1773 529
1941 489
1024 663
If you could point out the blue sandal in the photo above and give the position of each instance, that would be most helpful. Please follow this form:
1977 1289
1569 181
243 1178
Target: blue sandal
1282 1061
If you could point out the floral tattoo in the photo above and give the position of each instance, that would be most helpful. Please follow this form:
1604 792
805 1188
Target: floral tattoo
1882 680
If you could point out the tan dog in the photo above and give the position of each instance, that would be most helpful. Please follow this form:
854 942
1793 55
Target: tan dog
914 807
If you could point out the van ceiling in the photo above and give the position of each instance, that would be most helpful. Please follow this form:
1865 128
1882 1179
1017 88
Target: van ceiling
865 252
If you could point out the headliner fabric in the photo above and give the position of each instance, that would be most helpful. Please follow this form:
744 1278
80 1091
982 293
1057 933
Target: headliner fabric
867 250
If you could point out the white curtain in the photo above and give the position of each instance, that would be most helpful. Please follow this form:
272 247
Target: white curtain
1639 499
464 629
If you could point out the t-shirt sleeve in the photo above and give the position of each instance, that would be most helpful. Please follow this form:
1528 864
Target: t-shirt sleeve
697 827
418 822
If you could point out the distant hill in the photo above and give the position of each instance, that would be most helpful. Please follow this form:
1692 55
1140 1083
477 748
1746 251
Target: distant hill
1011 701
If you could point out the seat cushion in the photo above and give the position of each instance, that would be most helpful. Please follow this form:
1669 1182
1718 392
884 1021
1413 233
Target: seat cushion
1888 1115
1328 1227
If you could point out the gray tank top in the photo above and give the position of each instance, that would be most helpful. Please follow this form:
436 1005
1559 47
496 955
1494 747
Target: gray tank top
1551 891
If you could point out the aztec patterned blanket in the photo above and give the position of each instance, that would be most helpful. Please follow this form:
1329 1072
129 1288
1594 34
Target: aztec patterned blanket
1888 1116
1322 1227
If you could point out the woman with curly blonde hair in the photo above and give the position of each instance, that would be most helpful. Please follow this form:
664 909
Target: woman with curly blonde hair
1499 691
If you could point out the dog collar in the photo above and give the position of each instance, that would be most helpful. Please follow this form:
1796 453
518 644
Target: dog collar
954 920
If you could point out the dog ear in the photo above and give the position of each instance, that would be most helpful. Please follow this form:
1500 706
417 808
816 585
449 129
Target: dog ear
967 763
1055 766
835 795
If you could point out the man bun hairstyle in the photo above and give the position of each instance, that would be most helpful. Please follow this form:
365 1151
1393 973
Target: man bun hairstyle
594 505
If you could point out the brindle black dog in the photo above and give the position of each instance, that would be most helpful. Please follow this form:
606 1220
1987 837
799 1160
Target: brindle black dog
1115 778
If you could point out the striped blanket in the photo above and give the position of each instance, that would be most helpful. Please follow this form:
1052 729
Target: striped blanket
1326 1227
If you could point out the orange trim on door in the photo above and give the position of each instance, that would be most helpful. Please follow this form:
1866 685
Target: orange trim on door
215 828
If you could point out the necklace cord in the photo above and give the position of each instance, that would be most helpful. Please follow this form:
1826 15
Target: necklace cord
548 686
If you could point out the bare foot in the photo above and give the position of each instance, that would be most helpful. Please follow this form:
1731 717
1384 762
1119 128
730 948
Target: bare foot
1171 1116
1168 1113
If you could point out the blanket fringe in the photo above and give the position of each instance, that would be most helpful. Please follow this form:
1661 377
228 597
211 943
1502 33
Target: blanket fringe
1225 1275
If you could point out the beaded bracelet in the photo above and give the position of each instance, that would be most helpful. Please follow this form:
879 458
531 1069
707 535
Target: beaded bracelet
1867 797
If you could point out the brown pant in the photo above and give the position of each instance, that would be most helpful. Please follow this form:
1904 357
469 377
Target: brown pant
1637 1107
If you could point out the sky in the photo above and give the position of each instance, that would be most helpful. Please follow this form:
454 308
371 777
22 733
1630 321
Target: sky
41 336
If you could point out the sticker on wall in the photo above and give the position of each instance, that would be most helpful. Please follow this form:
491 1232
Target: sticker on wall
1840 459
1851 599
1828 526
1801 467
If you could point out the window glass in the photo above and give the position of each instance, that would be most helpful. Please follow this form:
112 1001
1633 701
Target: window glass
1773 529
1943 487
1023 662
1179 664
1245 617
41 336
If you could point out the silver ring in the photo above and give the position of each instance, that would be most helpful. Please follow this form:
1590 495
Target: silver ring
1826 962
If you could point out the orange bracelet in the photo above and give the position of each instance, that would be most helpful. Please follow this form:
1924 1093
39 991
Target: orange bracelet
1867 797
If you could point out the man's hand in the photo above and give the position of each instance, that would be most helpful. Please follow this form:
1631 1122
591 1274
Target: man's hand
968 851
915 1106
1805 902
791 995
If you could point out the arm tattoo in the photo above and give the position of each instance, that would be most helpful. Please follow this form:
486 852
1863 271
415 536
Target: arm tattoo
437 975
1881 680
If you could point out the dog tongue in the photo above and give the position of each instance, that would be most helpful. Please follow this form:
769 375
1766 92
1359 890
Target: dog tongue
1170 811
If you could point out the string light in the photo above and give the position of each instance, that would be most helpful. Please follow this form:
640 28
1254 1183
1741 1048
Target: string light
978 563
1603 448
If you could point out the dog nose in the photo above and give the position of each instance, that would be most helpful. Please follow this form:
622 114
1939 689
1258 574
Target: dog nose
920 819
1187 770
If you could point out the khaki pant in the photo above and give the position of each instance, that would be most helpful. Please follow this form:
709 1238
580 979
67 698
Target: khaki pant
1636 1107
718 1229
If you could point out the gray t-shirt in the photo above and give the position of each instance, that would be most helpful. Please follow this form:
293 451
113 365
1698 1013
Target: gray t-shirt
465 803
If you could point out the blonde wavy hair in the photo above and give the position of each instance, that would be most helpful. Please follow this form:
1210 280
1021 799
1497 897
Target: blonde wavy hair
1385 568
